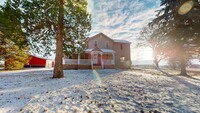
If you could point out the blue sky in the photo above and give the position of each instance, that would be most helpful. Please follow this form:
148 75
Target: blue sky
122 19
1 2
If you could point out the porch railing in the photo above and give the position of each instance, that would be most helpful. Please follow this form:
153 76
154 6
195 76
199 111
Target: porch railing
75 61
108 62
71 61
86 62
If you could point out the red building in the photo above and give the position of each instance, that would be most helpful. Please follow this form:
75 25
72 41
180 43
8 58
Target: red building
39 62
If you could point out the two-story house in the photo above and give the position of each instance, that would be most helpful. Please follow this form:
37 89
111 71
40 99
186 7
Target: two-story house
102 53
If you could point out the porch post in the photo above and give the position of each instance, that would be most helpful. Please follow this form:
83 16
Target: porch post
63 60
78 58
113 58
102 65
91 60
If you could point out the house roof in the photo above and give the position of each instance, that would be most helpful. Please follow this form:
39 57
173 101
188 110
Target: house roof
114 40
121 41
100 34
108 51
102 50
40 57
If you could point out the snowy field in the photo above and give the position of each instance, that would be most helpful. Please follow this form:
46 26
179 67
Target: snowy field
107 91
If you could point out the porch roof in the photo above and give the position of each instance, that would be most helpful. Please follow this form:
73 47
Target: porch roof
102 50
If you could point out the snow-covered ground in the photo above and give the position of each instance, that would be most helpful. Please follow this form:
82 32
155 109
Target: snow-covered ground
98 91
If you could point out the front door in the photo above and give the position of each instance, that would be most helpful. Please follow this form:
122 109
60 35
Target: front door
95 58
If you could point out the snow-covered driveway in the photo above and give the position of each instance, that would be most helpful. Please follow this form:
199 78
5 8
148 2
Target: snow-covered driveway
98 91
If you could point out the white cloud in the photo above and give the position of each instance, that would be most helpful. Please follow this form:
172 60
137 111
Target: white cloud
121 19
2 2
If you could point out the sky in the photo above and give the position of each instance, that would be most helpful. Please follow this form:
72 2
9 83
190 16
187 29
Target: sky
1 2
122 19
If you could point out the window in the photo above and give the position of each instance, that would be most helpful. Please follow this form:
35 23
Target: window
107 45
108 56
95 44
122 59
121 46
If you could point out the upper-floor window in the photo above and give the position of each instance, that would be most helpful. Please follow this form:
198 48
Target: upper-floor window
121 46
95 43
106 44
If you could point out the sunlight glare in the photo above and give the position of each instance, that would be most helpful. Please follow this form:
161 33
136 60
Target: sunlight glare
97 78
146 55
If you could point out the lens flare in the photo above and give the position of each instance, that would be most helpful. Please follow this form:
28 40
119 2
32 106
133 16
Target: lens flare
97 78
185 7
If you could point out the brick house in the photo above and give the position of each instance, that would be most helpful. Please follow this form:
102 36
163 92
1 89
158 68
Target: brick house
102 53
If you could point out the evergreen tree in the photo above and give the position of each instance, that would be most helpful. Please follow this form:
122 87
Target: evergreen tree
12 38
180 21
60 22
10 23
15 57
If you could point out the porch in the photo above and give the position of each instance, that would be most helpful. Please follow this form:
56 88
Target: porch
91 59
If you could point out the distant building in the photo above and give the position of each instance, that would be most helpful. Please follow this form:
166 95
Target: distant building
102 53
40 62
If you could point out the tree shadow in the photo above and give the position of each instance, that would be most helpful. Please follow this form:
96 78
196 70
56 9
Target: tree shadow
170 75
18 87
182 80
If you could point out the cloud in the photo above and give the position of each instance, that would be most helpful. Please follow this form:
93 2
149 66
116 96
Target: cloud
121 19
2 2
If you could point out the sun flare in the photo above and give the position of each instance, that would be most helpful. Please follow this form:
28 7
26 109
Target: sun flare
146 55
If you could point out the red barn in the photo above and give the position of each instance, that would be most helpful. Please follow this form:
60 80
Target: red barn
39 62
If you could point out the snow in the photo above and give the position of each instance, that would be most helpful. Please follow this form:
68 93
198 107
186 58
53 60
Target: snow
107 50
87 91
103 50
121 41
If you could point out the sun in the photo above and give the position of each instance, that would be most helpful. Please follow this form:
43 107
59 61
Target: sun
146 54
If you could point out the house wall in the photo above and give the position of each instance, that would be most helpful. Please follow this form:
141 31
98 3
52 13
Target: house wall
102 42
121 52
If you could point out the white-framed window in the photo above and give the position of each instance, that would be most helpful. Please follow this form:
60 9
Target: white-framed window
95 43
106 44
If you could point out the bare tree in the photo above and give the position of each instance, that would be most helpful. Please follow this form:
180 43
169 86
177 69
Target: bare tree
151 37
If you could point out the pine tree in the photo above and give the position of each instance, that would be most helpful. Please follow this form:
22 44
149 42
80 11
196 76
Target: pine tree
12 38
181 25
64 22
15 57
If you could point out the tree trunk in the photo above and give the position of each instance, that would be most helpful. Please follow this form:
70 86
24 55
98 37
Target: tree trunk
156 62
157 65
58 68
173 66
2 47
183 66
